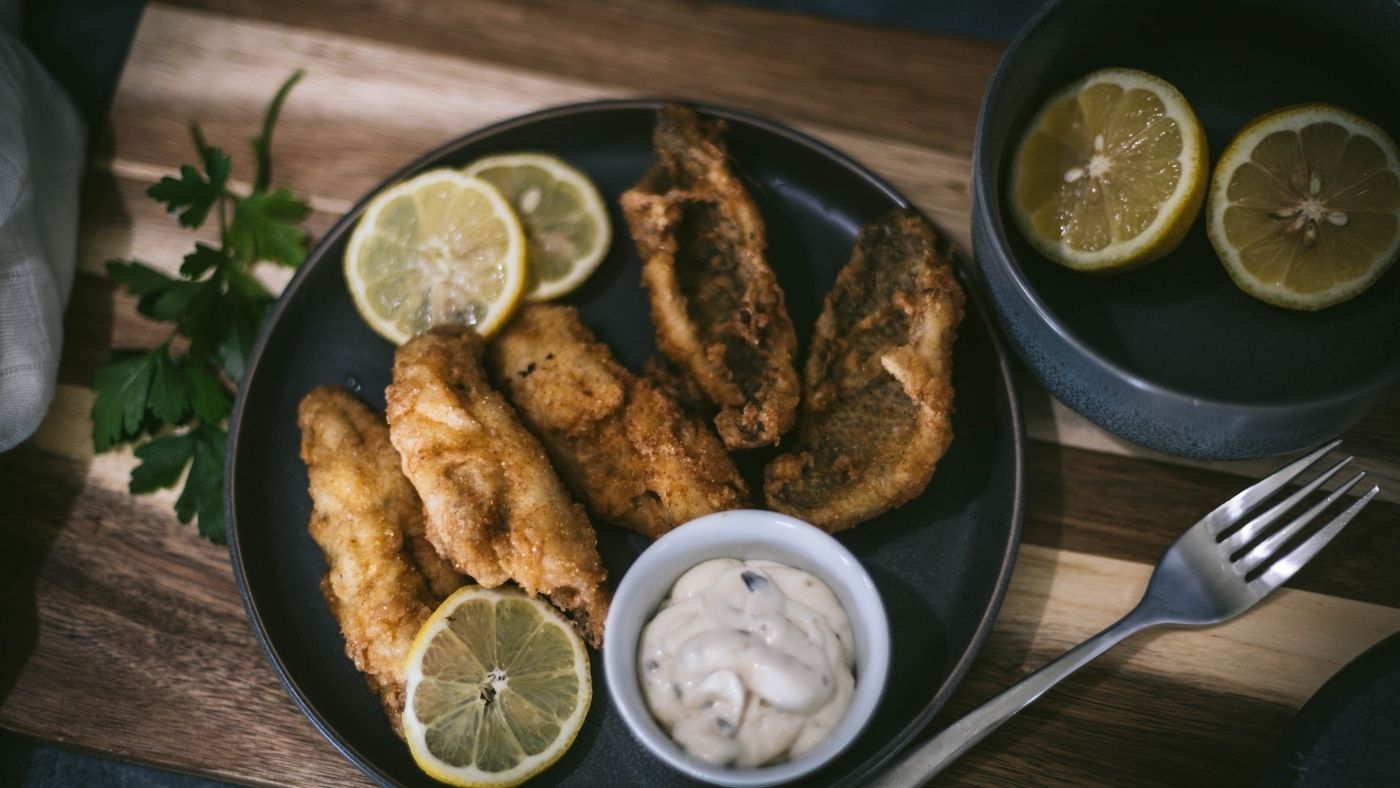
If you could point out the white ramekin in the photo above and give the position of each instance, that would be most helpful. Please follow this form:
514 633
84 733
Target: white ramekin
744 534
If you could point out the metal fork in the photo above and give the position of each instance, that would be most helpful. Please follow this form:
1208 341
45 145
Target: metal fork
1203 579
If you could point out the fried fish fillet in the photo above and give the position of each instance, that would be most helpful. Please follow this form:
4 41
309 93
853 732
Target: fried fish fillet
718 310
401 499
493 505
878 391
361 508
437 571
663 373
627 450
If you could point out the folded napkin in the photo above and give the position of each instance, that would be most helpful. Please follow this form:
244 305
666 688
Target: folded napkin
41 166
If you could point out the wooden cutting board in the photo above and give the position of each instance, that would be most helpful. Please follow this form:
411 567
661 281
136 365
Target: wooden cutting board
121 631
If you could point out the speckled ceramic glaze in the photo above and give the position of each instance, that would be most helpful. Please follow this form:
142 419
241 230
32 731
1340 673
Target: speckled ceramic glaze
1348 733
1173 356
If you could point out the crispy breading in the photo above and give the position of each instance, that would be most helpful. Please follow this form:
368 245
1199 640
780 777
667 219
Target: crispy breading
717 306
361 507
627 450
492 503
441 577
877 388
663 373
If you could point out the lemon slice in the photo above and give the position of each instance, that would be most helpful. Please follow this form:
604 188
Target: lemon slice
1111 172
1305 206
563 215
438 248
498 687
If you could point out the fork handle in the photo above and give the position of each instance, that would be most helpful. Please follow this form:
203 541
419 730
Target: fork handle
920 763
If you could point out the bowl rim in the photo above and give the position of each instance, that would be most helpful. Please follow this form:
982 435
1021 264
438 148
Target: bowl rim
988 212
839 569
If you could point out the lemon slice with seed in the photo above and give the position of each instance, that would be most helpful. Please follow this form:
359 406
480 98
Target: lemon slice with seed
438 248
1111 172
498 687
565 221
1305 206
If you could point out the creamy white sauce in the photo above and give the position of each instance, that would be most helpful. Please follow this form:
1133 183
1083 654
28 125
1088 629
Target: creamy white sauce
748 662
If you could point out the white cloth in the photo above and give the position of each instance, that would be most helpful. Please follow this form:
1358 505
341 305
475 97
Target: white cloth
41 167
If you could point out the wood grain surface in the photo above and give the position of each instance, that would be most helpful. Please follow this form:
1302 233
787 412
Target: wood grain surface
121 632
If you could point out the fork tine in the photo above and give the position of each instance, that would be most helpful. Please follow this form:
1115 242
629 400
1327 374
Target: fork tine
1230 512
1285 567
1262 551
1254 527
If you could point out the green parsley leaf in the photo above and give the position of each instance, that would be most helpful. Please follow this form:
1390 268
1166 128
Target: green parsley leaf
161 298
139 278
204 486
216 163
211 401
265 226
245 316
169 397
171 303
119 411
242 284
193 193
205 320
204 258
211 511
245 304
162 461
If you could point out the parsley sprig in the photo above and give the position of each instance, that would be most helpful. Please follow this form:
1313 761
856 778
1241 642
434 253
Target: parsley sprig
172 400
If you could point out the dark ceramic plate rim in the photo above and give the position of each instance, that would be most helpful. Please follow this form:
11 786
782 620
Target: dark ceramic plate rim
992 215
345 224
1320 712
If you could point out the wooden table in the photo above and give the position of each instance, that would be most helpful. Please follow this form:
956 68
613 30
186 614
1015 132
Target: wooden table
121 631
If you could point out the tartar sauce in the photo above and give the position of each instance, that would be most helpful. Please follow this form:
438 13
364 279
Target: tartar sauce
748 662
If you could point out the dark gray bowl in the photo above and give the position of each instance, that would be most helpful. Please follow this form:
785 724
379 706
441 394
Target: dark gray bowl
1173 356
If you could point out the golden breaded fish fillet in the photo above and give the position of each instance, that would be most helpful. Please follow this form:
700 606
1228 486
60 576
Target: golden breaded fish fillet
441 577
878 385
360 505
492 503
717 306
663 373
627 450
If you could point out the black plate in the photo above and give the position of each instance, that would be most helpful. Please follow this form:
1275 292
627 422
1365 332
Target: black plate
1349 732
941 562
1173 355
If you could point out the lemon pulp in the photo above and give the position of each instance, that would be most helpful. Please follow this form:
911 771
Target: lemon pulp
1111 172
1305 206
565 222
438 248
498 686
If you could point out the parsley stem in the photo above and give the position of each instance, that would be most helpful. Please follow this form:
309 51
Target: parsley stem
197 134
262 144
223 222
